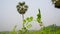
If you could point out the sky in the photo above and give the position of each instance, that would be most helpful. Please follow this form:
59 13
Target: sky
9 17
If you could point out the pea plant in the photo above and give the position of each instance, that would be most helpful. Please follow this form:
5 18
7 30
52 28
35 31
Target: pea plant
22 8
39 20
28 20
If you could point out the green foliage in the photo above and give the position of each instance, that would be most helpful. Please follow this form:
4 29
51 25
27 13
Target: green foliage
39 17
29 26
31 18
20 32
3 32
24 21
12 32
27 20
46 30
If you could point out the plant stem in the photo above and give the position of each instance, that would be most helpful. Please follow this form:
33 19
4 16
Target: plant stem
23 19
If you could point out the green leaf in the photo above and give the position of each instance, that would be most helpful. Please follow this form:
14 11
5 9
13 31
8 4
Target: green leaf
20 32
24 21
39 16
27 18
29 26
31 18
38 20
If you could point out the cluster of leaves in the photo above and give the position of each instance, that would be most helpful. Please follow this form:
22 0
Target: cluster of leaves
39 17
28 25
27 21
